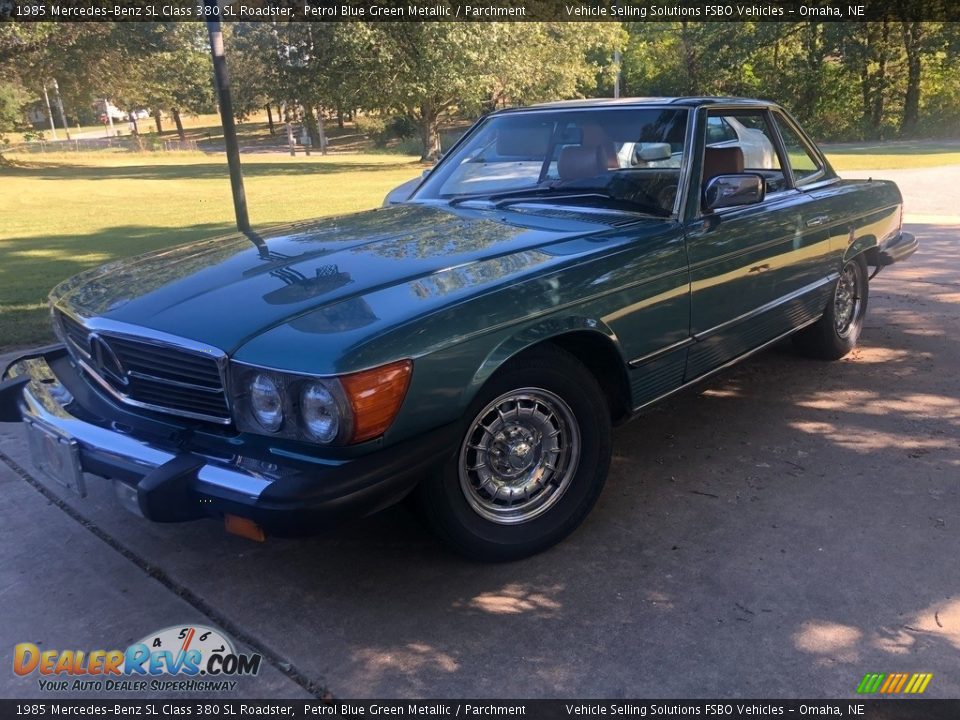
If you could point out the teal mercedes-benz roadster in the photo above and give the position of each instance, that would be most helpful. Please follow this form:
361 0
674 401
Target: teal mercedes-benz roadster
469 345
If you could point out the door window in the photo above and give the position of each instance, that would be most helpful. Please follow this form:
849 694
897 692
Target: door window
742 141
805 165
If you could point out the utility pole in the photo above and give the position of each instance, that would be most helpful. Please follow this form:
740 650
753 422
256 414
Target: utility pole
53 128
58 101
290 141
106 110
222 78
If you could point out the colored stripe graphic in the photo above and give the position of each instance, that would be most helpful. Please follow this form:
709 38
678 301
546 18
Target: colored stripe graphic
894 683
903 681
891 683
914 682
870 683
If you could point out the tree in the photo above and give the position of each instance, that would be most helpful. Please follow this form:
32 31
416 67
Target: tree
429 72
254 66
534 62
314 66
13 98
156 65
176 75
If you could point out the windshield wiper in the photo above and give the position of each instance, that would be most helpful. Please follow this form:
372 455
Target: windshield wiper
604 197
533 190
554 191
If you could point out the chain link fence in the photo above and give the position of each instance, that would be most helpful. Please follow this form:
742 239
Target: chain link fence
129 143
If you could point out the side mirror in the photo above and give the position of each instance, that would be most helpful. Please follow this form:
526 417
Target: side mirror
651 152
725 191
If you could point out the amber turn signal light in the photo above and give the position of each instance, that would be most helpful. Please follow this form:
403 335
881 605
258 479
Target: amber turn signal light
244 527
375 396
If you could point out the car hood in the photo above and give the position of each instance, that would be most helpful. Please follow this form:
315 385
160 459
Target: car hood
224 291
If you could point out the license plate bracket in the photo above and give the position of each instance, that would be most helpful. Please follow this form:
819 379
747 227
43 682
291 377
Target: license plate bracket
56 455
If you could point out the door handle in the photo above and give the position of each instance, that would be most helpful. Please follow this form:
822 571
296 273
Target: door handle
760 268
818 220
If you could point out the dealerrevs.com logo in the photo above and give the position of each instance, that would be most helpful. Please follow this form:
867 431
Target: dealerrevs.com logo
177 658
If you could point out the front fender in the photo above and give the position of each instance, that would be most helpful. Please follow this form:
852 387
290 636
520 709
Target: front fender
531 335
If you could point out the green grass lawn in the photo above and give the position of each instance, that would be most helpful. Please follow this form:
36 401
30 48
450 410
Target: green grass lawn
892 155
196 123
66 213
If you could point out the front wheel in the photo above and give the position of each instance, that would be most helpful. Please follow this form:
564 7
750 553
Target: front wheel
532 460
836 333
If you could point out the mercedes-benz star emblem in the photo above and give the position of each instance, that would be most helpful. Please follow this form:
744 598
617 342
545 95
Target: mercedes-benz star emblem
106 361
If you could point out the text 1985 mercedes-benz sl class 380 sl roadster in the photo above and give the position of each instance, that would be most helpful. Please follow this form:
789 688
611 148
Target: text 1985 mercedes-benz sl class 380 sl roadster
470 344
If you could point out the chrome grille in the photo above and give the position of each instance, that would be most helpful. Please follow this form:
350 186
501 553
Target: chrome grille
74 331
150 373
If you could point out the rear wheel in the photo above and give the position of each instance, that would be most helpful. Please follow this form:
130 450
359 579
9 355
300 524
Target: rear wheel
533 457
837 332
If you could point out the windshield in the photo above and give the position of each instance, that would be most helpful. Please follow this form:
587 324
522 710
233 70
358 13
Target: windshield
624 158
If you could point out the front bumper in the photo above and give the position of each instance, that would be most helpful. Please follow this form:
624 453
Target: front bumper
172 477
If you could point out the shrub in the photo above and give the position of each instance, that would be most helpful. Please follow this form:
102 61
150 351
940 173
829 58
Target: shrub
402 127
374 127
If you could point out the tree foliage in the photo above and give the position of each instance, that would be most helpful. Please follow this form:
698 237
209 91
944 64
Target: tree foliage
429 72
156 65
897 76
888 78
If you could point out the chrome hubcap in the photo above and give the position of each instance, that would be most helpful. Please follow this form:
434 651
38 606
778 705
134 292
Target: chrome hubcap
846 300
519 456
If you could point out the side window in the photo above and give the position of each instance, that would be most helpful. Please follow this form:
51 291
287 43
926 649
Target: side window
742 141
719 131
805 165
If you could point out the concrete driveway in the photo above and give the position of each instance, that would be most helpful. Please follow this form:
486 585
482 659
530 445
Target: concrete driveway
781 531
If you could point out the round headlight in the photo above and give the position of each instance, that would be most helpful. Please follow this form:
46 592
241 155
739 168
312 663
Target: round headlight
321 414
266 403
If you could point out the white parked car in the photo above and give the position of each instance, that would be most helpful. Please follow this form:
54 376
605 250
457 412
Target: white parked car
729 132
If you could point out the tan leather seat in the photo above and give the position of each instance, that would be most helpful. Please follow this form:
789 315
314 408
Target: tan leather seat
722 161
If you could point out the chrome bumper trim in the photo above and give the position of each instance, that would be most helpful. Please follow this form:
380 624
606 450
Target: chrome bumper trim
45 400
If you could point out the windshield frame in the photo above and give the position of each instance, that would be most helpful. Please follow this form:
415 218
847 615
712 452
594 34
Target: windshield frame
445 167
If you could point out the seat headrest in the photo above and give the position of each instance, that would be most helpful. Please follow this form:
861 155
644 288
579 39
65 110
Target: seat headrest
595 135
577 162
722 161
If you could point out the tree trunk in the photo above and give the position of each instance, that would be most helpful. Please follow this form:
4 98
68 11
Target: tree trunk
270 119
912 44
176 119
157 118
880 87
310 122
811 88
873 80
690 60
133 120
429 134
339 117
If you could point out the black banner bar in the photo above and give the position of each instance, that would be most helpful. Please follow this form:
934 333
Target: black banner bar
479 10
856 709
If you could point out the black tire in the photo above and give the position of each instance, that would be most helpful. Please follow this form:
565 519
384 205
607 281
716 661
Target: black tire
453 501
833 336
